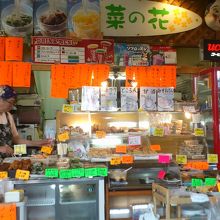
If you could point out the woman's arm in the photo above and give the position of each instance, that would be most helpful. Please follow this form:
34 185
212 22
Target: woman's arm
37 143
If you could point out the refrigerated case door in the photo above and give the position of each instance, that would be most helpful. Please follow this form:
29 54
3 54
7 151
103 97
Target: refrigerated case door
64 199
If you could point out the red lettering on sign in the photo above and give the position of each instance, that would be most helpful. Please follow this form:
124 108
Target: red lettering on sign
213 47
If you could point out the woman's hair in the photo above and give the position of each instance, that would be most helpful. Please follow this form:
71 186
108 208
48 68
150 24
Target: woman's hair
7 92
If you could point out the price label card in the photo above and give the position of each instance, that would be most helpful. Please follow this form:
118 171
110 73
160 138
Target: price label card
218 186
64 136
196 182
51 172
199 132
3 175
121 149
134 140
65 174
102 171
22 174
90 172
20 149
189 108
8 211
127 159
181 159
67 108
46 149
164 158
161 174
100 134
210 181
158 132
78 172
115 161
197 165
212 158
155 147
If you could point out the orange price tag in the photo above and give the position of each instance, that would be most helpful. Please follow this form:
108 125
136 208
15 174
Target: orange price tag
8 211
3 175
198 165
64 136
13 48
22 174
127 159
46 149
100 134
155 147
115 160
121 149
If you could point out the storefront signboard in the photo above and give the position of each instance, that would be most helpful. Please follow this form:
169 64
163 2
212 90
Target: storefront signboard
211 50
145 18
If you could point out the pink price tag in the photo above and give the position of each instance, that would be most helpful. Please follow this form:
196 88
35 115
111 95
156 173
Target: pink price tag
161 174
164 159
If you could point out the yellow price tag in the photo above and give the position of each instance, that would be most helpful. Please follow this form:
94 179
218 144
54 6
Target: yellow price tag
100 134
20 149
181 159
46 149
218 186
22 174
115 161
199 132
3 175
159 132
212 158
64 136
67 108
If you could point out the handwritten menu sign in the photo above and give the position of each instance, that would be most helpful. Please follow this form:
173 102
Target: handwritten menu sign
115 161
20 149
212 158
109 99
51 172
90 98
181 159
148 98
67 108
165 98
102 171
199 132
155 147
90 172
134 140
8 211
121 149
3 175
2 48
46 149
6 73
21 74
13 48
210 181
78 172
163 158
127 159
196 182
129 100
65 174
22 174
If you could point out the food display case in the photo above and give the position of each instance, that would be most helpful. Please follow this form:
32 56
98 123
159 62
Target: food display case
207 91
49 199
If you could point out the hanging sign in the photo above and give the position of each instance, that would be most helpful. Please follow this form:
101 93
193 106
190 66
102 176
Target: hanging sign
211 50
145 18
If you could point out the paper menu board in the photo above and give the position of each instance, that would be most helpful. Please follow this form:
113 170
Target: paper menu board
14 49
6 73
109 99
165 100
129 99
2 48
8 211
148 98
90 98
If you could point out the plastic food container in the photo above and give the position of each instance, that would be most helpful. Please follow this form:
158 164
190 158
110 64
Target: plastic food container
118 175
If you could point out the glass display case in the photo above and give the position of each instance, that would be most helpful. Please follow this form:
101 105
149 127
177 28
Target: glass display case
64 199
207 91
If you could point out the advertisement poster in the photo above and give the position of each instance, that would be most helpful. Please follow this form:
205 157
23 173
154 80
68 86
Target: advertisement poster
148 98
50 18
163 55
132 54
90 98
129 99
84 19
66 50
109 99
165 100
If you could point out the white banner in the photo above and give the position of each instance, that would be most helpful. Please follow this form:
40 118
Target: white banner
145 18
